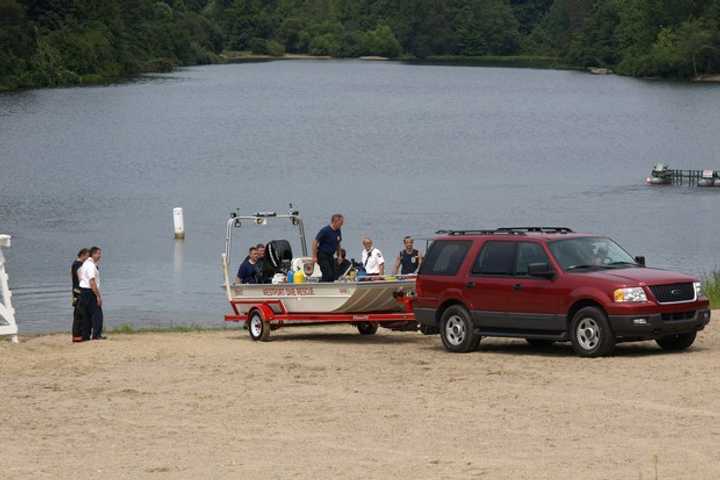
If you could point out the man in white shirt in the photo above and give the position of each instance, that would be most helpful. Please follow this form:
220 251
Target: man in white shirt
372 258
90 303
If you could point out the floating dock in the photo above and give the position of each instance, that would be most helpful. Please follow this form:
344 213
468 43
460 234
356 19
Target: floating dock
663 175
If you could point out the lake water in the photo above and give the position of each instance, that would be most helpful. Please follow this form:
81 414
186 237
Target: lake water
399 149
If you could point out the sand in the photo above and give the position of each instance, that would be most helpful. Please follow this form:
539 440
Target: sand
327 403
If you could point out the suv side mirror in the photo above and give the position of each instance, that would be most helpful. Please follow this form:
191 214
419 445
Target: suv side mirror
541 269
640 261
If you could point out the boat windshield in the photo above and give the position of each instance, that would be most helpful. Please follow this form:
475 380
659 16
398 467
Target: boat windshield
590 253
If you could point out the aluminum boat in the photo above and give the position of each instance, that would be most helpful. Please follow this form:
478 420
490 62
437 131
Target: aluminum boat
346 295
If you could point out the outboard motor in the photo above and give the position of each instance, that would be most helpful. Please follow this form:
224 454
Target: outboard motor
278 256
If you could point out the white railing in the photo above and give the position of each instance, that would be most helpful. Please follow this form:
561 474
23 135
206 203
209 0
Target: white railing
7 312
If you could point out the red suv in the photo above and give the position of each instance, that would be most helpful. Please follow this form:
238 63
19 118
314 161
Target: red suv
549 284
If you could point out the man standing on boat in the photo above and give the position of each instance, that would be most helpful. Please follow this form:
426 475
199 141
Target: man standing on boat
90 300
372 258
409 259
326 245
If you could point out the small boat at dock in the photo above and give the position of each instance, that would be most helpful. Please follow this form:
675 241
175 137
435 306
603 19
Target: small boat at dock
663 175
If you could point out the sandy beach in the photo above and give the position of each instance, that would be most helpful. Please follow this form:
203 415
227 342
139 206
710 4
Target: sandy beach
328 403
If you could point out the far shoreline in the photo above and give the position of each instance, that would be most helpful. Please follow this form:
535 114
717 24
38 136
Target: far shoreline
236 57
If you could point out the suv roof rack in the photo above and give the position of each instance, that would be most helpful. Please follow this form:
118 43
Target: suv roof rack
537 229
507 231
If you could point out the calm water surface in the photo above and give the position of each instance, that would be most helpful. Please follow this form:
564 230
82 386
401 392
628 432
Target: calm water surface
400 149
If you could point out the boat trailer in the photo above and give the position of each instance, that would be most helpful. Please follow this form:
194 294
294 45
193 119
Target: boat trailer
263 317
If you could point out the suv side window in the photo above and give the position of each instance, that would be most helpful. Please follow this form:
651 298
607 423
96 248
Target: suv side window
496 258
445 257
528 253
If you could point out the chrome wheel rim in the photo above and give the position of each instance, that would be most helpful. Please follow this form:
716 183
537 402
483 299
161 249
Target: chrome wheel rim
588 333
455 330
256 326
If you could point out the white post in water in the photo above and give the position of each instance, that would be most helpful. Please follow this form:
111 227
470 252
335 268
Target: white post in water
179 223
7 312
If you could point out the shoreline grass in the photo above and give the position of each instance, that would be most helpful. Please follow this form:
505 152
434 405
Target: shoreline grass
711 286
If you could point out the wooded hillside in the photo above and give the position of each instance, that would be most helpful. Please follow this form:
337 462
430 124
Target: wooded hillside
56 42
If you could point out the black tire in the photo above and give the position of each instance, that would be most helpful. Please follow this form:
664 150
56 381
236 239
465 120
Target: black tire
677 342
540 342
367 328
457 330
258 327
590 333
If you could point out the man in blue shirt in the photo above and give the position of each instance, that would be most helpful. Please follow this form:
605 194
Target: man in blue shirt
247 273
326 245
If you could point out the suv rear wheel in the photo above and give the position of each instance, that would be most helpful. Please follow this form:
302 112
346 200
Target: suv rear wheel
590 333
675 343
457 330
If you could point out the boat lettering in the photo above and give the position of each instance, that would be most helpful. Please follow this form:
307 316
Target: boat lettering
288 291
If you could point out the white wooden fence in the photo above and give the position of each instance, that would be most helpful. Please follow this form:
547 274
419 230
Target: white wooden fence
7 312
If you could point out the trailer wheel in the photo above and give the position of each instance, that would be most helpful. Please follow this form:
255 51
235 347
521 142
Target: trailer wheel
258 327
367 328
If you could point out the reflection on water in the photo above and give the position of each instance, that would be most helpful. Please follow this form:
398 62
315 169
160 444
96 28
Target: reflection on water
398 148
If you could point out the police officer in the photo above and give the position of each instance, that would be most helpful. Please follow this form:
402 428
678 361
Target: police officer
409 259
372 258
326 245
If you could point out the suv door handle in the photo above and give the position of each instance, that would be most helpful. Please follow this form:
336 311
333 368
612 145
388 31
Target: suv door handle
470 285
517 286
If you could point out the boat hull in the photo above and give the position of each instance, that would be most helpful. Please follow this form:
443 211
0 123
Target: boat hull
337 297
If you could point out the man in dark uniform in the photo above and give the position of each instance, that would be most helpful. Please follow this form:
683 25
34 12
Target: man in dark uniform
326 245
81 257
247 273
260 263
343 265
409 259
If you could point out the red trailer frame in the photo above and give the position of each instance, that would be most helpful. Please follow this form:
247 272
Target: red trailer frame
261 318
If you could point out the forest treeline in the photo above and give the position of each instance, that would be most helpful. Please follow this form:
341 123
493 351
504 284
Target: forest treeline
58 42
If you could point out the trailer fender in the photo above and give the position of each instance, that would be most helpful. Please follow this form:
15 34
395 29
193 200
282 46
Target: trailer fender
265 312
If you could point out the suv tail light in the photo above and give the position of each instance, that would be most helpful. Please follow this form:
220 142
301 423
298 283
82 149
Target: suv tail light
418 290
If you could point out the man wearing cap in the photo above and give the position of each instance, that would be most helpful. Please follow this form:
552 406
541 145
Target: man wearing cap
372 258
326 245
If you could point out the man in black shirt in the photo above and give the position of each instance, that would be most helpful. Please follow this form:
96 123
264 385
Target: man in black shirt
326 245
343 266
81 257
409 259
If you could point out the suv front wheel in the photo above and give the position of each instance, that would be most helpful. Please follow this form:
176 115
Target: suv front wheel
457 330
590 333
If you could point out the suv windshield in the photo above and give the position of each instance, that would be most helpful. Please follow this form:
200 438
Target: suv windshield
587 253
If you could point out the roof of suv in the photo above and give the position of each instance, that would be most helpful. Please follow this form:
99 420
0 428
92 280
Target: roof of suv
548 233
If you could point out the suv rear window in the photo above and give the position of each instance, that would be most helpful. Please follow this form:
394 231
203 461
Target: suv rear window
496 258
445 257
